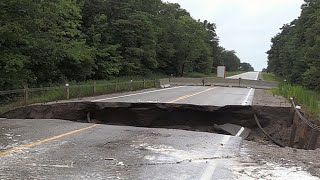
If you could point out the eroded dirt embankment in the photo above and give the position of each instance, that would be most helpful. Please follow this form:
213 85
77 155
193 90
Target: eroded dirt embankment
176 116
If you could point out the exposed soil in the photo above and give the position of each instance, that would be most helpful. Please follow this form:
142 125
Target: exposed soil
187 117
261 155
174 116
139 114
261 159
278 127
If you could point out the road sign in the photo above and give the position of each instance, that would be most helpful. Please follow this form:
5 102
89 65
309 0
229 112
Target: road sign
221 71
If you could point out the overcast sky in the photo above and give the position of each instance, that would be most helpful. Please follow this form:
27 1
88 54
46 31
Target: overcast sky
245 26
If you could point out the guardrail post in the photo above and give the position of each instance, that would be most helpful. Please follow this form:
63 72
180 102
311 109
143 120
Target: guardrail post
314 139
292 113
94 87
303 136
116 86
67 93
130 86
25 95
293 130
144 83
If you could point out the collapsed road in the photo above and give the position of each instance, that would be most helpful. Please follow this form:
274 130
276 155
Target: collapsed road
36 145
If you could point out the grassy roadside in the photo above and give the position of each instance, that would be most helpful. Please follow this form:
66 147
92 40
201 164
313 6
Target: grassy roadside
309 100
201 75
14 99
271 77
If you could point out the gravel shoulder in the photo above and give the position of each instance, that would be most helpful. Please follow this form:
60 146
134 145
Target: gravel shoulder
264 97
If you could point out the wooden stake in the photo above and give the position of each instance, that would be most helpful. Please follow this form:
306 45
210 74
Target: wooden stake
294 130
67 91
94 87
25 95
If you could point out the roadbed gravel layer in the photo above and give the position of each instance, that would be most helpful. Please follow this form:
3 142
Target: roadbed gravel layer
264 97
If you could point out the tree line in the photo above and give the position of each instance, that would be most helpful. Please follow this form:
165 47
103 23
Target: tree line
54 41
295 51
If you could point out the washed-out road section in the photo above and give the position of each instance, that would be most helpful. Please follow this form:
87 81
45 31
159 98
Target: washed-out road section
58 149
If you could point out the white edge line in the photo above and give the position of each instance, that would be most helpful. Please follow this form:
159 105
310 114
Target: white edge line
258 75
247 98
128 95
240 132
209 171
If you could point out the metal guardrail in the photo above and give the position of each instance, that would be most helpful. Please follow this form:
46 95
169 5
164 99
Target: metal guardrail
224 82
305 120
12 99
308 133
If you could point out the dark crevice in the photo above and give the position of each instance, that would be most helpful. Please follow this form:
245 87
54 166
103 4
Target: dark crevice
162 115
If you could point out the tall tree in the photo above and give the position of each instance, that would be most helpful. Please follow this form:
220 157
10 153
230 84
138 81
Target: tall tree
53 41
294 54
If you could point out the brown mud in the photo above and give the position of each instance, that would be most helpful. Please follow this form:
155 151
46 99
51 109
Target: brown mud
171 116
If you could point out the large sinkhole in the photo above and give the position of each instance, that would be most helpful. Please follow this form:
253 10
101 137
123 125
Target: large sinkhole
171 116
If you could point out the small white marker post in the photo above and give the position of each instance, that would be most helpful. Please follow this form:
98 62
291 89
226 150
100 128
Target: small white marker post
67 91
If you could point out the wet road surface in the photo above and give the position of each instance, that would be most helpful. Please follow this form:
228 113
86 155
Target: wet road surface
112 152
57 149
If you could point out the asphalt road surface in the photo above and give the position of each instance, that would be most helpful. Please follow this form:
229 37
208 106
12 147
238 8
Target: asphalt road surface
248 75
58 149
197 95
69 150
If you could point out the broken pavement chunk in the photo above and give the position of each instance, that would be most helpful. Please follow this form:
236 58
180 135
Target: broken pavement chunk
234 130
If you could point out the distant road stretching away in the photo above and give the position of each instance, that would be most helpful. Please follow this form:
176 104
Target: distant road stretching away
197 95
248 75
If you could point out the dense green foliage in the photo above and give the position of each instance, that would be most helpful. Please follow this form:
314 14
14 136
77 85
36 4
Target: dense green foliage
295 52
54 41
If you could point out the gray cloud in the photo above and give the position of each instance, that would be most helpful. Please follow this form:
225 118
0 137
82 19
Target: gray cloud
245 26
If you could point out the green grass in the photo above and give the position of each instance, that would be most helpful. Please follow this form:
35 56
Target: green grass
76 90
202 75
271 77
310 100
199 75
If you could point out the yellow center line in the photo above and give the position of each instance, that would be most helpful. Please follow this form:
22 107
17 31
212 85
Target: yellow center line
22 147
19 148
191 95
